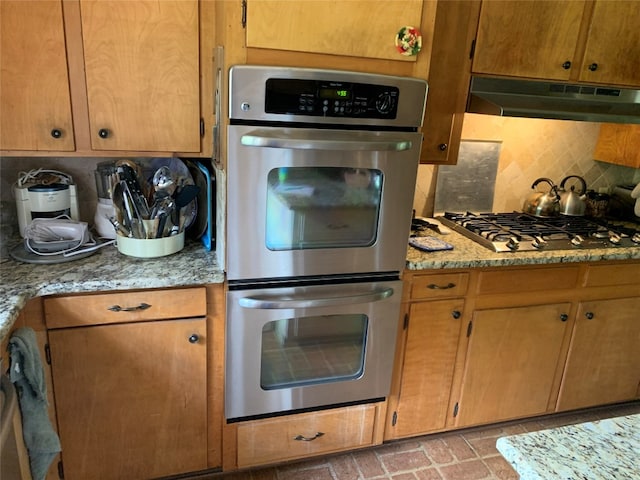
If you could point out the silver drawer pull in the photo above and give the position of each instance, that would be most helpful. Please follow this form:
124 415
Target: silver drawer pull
302 438
433 286
118 308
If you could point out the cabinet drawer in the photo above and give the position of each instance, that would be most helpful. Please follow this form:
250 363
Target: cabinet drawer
607 275
282 438
527 280
439 286
75 311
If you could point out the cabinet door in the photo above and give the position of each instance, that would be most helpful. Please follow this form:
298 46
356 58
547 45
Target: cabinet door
612 53
619 144
427 370
142 74
357 28
35 106
448 80
131 399
528 39
603 365
511 362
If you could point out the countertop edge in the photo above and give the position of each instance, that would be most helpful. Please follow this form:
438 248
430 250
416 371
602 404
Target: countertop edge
106 270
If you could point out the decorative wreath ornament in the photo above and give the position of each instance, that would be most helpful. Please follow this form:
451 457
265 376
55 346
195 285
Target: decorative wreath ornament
408 41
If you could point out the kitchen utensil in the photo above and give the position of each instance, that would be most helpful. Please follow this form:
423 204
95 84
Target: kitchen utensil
543 204
131 209
128 175
121 212
572 202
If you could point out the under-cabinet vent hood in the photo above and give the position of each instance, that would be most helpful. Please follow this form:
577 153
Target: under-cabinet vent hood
538 99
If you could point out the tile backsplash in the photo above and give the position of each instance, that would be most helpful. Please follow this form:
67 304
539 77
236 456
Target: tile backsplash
531 148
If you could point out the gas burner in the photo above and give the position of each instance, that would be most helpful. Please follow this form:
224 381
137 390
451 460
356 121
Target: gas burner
516 231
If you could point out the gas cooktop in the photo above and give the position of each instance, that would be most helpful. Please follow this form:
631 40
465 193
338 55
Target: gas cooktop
515 231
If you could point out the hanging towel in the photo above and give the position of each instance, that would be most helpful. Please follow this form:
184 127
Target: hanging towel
26 373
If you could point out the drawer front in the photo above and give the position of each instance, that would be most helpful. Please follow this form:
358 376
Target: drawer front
439 286
609 275
527 280
82 310
278 439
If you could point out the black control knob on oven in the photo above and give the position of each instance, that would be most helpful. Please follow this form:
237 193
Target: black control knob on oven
384 103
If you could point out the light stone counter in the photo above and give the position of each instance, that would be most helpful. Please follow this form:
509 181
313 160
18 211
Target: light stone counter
468 254
602 450
108 270
105 270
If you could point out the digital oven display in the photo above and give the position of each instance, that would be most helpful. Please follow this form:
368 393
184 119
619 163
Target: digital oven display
334 93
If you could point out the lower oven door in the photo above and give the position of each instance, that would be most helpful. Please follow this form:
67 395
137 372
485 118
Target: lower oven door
303 347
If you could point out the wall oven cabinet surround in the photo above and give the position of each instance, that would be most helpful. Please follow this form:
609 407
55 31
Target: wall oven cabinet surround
321 174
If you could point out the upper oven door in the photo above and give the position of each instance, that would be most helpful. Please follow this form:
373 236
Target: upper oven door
306 202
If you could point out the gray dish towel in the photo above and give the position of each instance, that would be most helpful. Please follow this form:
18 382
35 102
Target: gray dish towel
27 375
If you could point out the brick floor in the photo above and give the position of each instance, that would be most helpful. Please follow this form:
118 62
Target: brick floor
468 454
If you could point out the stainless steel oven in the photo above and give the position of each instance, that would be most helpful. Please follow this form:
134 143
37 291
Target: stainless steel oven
321 177
299 347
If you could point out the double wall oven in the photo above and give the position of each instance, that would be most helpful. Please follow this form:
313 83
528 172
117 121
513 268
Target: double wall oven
321 175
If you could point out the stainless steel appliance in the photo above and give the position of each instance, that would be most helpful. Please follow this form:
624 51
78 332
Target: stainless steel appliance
321 175
515 231
513 97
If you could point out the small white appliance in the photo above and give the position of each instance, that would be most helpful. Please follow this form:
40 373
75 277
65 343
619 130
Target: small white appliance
44 194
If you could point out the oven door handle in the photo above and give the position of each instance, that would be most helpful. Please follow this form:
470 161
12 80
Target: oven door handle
321 141
276 302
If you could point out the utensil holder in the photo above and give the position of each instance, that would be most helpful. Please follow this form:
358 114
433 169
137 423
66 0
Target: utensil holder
150 248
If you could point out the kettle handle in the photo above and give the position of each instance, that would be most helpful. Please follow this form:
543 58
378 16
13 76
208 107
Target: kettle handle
543 179
583 184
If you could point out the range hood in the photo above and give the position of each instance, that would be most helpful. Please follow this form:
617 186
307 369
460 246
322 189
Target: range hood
540 99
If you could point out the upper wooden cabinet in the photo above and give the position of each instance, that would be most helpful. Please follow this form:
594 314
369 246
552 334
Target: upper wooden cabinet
358 28
35 104
136 76
619 144
448 79
593 42
142 68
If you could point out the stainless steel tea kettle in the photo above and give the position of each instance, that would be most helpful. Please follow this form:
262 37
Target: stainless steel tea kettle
572 203
543 204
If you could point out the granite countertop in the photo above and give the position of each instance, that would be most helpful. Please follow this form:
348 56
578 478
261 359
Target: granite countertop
605 449
468 254
105 270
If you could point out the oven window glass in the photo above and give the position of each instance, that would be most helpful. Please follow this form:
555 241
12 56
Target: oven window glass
310 350
322 207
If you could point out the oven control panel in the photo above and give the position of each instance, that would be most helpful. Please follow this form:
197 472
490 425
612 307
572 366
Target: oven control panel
318 98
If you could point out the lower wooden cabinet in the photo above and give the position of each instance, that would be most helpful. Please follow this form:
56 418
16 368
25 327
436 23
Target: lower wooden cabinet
131 399
302 435
603 365
433 329
511 362
131 392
